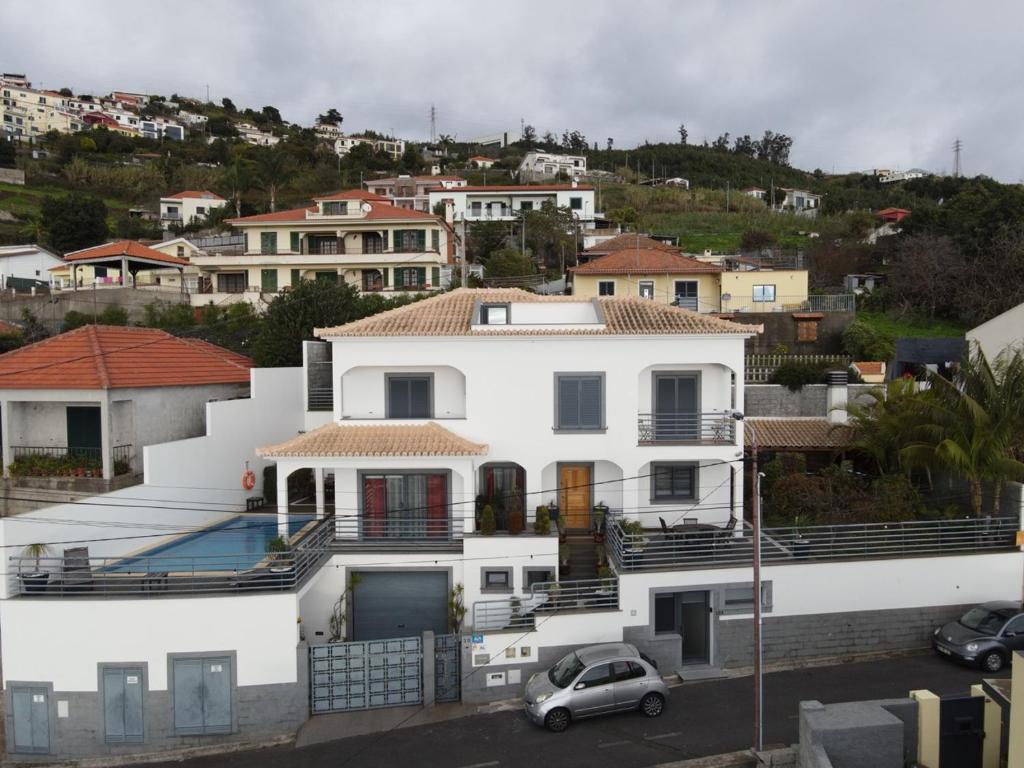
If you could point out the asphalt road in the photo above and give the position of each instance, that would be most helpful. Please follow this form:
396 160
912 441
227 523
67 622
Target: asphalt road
701 719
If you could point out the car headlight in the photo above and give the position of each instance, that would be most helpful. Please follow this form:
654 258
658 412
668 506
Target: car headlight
936 632
971 647
542 698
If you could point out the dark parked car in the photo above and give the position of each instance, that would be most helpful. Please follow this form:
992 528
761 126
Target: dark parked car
986 635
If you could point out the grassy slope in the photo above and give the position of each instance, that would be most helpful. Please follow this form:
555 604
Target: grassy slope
25 202
910 327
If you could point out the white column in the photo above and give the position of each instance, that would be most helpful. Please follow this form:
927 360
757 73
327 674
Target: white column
282 500
106 449
5 434
318 480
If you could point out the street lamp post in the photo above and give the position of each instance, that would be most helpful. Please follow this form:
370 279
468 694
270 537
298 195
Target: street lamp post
755 514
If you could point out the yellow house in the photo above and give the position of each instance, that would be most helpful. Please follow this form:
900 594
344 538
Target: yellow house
759 289
355 236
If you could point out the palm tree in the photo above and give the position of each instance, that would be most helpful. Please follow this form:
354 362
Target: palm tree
445 141
880 429
275 170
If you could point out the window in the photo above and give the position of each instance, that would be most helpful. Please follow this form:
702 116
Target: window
326 276
740 598
382 191
268 242
181 251
686 294
533 576
576 203
646 289
294 242
494 314
335 207
627 670
596 676
410 397
231 282
202 695
410 278
122 704
200 210
673 482
579 401
605 287
268 280
476 208
373 280
410 240
405 505
526 205
764 293
496 579
435 240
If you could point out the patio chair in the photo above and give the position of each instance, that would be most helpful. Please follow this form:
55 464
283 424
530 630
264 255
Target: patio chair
664 526
76 574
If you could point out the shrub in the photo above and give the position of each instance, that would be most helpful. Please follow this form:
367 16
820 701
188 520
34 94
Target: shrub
756 239
515 522
75 319
862 342
794 374
542 522
113 315
488 525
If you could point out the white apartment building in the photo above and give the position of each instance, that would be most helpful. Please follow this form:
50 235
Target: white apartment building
412 192
892 177
27 114
506 202
193 119
329 131
393 147
161 128
188 206
545 166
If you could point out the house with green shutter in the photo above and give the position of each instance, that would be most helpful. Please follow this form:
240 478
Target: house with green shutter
356 237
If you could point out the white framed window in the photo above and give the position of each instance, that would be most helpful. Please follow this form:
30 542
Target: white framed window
764 293
646 289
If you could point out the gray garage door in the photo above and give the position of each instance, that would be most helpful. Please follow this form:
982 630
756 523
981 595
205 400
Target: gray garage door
388 604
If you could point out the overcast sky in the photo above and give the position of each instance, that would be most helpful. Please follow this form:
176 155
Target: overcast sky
857 84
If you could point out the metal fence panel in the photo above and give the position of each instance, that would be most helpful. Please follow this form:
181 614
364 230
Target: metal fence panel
447 668
366 674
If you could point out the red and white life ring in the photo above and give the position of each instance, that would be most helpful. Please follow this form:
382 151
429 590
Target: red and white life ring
248 480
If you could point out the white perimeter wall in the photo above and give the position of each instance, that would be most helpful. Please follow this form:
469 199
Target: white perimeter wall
63 640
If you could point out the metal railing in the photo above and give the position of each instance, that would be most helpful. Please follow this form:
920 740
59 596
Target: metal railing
320 399
161 575
840 302
544 599
702 428
57 452
709 546
399 528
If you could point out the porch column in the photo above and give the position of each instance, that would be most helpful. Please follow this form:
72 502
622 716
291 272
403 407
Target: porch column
74 277
106 449
318 480
124 272
5 435
282 500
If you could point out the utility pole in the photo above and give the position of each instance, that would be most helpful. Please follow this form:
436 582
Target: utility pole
207 93
957 146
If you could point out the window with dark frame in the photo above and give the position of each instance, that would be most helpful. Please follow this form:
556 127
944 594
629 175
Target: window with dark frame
646 289
231 282
605 287
335 207
576 203
405 505
764 293
580 401
497 578
673 482
409 396
533 576
494 314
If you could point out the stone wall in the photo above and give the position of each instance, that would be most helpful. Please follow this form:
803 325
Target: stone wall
781 328
809 400
12 176
51 308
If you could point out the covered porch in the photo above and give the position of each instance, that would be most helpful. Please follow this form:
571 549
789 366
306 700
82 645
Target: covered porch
129 258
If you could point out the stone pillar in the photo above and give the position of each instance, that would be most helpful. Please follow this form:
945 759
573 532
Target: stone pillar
429 687
106 448
927 728
993 729
1016 741
124 272
5 435
282 501
318 480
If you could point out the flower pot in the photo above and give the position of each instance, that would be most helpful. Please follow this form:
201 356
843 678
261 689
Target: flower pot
34 582
801 547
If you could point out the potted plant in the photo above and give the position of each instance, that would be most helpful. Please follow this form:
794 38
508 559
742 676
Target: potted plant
37 579
633 538
801 546
553 512
542 522
607 577
515 522
563 558
563 535
600 517
488 525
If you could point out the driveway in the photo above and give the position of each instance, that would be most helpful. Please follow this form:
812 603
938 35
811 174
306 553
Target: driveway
702 719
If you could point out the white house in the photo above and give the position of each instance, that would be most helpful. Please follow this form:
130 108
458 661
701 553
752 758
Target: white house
395 148
506 202
412 192
26 262
161 128
188 206
545 166
892 177
254 135
1002 333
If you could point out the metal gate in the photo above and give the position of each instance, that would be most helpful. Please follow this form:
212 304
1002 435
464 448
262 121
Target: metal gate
366 675
447 668
961 731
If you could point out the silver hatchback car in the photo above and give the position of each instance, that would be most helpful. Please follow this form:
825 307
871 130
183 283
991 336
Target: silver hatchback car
595 680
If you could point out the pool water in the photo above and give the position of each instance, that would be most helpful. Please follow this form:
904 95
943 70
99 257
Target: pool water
236 544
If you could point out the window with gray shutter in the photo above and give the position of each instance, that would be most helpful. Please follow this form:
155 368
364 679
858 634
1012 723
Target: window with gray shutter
580 401
202 695
122 704
409 397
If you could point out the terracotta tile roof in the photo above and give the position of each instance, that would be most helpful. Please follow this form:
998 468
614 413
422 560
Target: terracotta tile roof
396 179
867 368
521 188
797 433
378 211
8 329
644 261
116 357
120 248
429 439
450 314
202 194
629 240
354 194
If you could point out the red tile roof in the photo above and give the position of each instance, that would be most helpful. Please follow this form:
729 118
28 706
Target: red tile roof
523 188
118 357
7 329
120 248
378 210
629 240
354 194
644 261
797 433
201 194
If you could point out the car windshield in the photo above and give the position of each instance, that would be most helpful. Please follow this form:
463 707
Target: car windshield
565 671
982 620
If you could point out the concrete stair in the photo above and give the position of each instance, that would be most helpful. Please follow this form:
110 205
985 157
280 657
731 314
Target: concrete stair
582 559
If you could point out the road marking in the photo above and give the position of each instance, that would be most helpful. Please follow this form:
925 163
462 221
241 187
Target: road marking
664 736
481 765
606 744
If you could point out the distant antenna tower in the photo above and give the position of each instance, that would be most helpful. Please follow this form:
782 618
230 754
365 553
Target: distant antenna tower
433 124
957 146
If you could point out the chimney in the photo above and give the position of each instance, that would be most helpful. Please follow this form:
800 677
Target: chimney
575 183
449 211
836 396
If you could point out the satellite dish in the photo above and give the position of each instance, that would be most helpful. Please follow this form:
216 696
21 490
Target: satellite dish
366 207
726 297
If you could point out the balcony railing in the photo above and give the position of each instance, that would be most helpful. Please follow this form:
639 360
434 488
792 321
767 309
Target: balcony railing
77 575
398 529
840 302
544 599
698 428
62 461
706 546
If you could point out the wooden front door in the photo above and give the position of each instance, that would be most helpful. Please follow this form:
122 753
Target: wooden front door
574 483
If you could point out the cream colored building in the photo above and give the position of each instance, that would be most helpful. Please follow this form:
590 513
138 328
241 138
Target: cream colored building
356 236
27 114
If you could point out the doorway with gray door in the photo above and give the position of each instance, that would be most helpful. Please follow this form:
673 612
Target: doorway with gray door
687 614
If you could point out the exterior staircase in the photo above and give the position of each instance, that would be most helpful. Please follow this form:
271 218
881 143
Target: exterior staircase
582 559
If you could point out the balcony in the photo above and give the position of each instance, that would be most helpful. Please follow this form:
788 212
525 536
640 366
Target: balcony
516 613
686 429
60 461
396 529
708 546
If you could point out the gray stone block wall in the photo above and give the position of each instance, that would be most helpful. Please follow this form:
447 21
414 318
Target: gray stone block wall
810 400
853 734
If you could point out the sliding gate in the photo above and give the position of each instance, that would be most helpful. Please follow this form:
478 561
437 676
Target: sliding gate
366 675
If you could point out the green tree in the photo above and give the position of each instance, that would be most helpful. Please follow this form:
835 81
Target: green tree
508 262
7 153
484 238
882 427
31 329
86 144
229 105
756 239
134 228
330 117
113 314
74 221
550 233
274 169
863 342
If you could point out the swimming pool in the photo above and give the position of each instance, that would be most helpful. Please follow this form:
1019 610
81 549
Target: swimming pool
236 544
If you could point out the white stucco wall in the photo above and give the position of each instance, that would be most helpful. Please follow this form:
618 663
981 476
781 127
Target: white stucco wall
364 392
31 266
999 333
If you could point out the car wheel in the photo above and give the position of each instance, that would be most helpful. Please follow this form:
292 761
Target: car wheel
992 661
652 705
557 720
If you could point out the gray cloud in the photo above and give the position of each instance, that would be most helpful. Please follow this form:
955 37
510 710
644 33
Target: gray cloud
858 85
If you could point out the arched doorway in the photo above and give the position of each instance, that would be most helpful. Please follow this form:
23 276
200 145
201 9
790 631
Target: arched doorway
502 486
